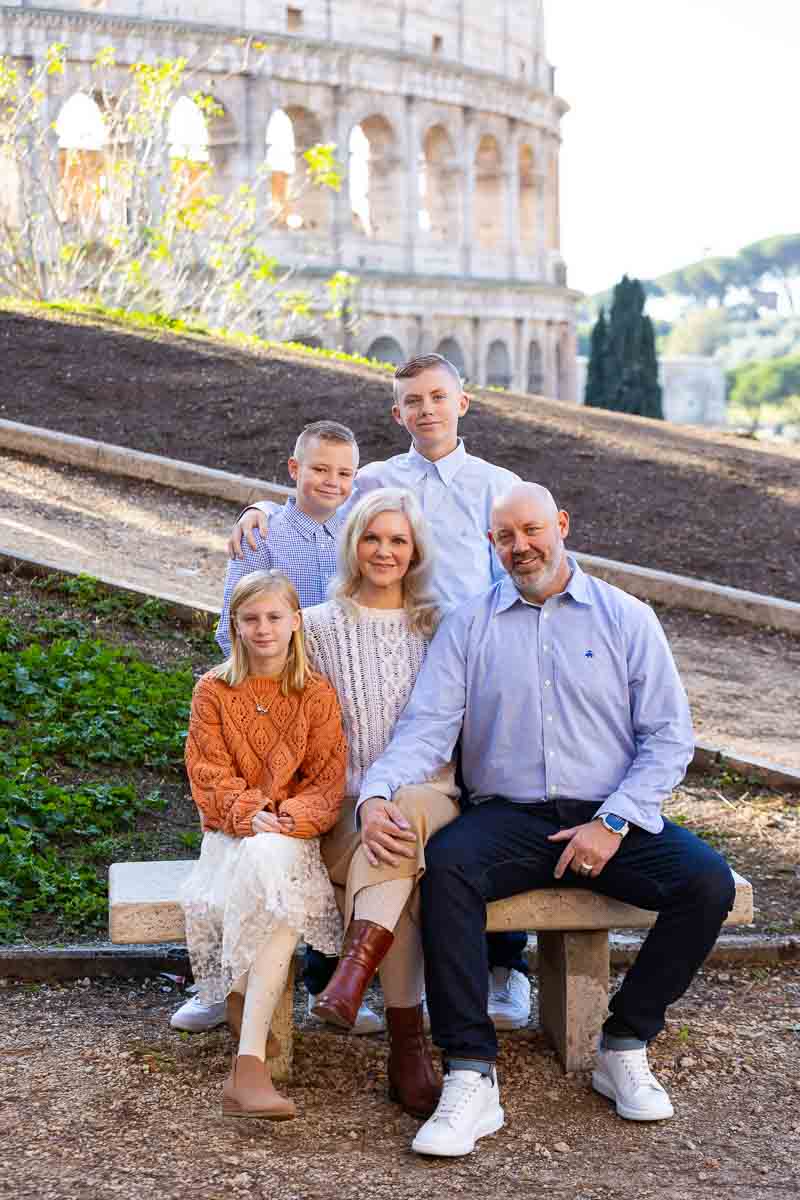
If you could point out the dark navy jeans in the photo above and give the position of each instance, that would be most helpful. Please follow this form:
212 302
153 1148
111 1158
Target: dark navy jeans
498 849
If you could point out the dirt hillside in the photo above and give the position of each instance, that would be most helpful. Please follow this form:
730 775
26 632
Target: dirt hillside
683 500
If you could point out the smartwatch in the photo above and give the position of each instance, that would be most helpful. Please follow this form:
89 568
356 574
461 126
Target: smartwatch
614 824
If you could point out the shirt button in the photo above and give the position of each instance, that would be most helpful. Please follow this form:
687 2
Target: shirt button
549 717
545 615
553 788
546 646
547 683
552 753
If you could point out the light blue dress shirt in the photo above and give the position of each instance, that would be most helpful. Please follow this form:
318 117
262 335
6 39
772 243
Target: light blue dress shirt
296 544
456 494
579 698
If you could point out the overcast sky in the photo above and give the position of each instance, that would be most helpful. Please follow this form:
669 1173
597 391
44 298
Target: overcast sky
684 132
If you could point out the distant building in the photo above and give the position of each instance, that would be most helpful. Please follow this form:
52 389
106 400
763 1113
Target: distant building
446 117
693 389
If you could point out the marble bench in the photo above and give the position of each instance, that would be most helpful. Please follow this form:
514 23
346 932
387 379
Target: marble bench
572 933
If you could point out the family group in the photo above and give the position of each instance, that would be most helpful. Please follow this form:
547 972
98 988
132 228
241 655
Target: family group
426 705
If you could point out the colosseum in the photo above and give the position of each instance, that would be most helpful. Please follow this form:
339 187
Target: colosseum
446 118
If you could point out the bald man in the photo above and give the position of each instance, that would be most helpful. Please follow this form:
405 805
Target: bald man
575 728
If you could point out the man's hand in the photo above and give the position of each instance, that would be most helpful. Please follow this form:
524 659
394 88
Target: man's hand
589 845
252 519
385 833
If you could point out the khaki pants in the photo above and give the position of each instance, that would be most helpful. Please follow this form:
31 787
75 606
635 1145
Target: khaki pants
427 807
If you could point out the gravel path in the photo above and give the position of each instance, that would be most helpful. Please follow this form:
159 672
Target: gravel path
744 683
100 1098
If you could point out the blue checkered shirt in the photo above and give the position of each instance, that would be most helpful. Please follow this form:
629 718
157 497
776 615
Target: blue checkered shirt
295 544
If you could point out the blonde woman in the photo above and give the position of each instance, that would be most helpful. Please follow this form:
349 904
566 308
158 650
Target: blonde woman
370 640
266 757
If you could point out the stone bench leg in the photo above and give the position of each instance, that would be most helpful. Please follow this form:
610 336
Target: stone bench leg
573 993
283 1028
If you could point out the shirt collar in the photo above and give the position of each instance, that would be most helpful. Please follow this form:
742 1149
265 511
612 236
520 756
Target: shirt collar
306 526
447 468
577 589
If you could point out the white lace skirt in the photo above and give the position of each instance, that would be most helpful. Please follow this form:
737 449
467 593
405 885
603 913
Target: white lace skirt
240 891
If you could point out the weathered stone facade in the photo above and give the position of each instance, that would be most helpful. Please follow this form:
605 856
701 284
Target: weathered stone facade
693 389
454 102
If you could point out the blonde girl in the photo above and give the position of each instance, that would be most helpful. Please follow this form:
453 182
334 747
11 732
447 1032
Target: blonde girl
265 755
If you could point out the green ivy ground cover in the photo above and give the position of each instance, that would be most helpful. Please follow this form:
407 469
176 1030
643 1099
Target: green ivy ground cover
91 748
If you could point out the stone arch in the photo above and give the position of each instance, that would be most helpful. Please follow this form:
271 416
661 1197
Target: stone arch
375 179
535 381
294 203
440 207
188 142
386 349
489 207
498 364
528 201
82 140
450 349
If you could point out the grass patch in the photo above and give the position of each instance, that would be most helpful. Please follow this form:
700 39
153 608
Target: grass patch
159 322
91 748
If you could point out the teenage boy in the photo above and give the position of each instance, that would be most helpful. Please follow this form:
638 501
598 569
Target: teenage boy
301 542
456 491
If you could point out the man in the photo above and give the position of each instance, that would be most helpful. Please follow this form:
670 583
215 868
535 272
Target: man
456 491
575 727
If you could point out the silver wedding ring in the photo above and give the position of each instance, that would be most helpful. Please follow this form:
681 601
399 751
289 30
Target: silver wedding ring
586 868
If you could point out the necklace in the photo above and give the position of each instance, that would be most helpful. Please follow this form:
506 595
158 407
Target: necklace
260 708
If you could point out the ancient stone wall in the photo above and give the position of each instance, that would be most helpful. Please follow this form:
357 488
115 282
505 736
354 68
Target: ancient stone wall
445 118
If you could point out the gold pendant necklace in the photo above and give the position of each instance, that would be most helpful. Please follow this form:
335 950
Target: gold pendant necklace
260 708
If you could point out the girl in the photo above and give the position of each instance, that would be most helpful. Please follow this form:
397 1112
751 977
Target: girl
370 640
266 758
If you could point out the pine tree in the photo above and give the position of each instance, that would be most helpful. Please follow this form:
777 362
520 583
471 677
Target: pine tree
623 368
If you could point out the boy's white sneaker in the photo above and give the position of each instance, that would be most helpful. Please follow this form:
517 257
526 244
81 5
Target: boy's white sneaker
469 1109
195 1017
625 1077
509 998
367 1021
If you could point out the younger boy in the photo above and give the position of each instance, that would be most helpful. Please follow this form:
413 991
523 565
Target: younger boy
301 542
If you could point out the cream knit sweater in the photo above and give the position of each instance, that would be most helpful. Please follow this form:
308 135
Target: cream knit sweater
372 662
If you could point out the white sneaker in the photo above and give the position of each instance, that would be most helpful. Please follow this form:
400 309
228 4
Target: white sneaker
195 1017
367 1021
509 998
625 1077
469 1109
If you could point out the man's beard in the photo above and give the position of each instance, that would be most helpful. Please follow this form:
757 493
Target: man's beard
534 587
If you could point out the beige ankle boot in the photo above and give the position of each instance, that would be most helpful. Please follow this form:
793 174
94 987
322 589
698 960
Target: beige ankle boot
249 1092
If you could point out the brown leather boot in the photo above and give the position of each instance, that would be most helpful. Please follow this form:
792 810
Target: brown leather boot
234 1010
413 1082
249 1092
365 946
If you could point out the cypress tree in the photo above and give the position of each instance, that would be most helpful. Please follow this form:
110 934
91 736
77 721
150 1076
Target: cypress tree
595 394
624 376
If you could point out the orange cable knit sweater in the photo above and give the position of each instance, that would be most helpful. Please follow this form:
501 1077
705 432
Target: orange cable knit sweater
289 760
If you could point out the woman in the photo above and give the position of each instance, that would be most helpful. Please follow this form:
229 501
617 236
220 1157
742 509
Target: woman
370 641
266 759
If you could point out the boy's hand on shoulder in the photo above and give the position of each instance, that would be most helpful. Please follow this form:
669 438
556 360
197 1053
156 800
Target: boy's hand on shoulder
250 520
